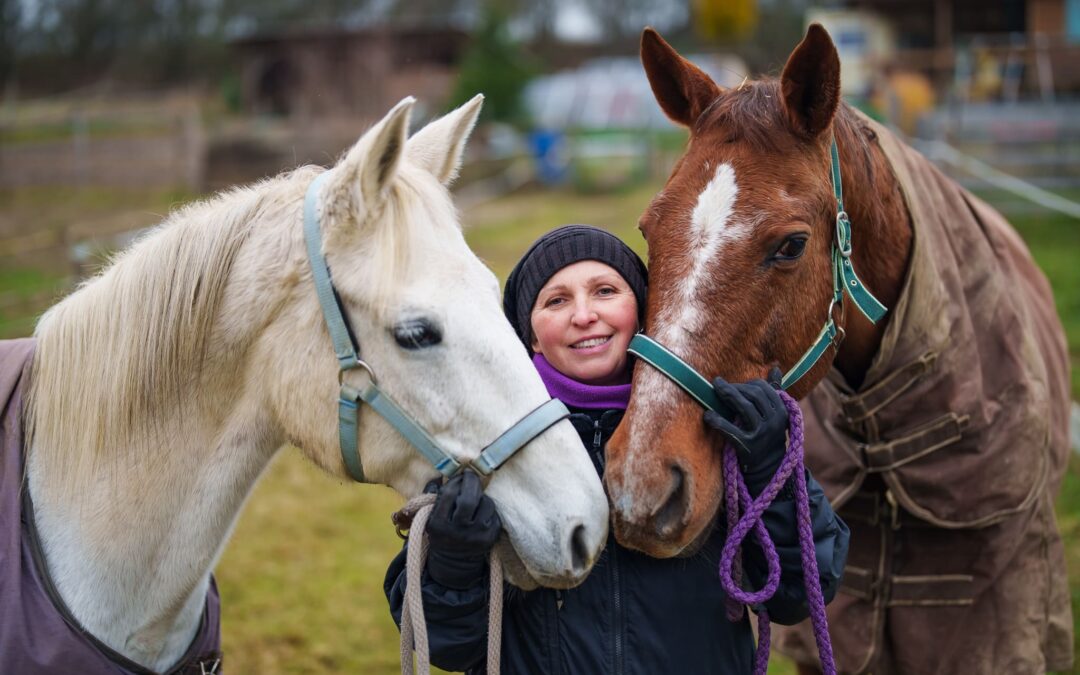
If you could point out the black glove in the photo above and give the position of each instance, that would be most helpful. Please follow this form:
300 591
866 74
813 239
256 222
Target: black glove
463 527
759 432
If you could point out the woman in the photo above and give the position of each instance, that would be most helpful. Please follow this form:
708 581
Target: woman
576 298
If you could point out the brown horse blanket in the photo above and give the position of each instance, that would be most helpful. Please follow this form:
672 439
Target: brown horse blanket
946 460
38 635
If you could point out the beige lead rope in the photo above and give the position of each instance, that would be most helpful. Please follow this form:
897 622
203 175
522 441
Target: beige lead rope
413 627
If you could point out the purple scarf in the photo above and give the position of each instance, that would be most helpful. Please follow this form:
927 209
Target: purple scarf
578 394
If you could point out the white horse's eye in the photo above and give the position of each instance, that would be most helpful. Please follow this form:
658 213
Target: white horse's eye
416 334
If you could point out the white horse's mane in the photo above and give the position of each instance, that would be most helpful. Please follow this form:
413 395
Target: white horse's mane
130 340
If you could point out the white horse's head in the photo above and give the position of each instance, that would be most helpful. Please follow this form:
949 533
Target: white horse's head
426 314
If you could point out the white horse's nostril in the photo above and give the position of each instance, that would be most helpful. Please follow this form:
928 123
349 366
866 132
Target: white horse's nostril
580 556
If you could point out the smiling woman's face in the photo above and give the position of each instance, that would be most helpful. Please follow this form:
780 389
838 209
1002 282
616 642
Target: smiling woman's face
583 320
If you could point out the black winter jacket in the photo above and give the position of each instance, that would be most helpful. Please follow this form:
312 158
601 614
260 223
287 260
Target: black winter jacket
632 614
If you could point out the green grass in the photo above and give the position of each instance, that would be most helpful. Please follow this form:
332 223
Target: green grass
39 224
301 579
22 291
1054 241
64 204
93 128
500 231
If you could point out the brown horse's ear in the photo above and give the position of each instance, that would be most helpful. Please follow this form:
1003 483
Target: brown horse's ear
682 89
811 82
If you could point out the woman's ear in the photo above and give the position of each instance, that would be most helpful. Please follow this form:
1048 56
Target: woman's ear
536 345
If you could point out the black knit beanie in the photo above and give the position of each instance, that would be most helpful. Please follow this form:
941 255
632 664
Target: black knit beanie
555 250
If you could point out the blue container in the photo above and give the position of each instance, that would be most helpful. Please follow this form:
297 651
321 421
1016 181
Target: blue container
550 153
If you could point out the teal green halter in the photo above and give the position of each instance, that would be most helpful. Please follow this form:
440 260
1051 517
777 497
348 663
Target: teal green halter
348 356
844 280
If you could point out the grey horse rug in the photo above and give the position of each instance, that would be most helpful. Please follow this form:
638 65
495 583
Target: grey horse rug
946 460
38 635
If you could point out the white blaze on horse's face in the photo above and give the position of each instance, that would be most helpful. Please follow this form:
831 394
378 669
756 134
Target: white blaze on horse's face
427 316
712 227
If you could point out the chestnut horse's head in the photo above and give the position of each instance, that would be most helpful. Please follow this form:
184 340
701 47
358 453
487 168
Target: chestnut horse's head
740 270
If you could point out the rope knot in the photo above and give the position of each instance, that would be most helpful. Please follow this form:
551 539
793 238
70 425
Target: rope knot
403 517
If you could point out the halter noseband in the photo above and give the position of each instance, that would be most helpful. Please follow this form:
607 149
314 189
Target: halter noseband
348 356
844 280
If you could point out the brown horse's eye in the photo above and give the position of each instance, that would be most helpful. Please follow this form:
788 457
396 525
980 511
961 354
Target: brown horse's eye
792 248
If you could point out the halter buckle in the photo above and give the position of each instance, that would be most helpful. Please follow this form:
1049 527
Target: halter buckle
843 234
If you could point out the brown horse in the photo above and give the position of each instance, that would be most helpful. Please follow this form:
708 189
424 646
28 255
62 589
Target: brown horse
940 432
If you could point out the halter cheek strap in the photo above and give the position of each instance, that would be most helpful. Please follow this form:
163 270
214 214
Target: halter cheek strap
844 281
349 397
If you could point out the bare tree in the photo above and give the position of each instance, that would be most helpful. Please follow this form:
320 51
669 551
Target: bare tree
621 18
10 32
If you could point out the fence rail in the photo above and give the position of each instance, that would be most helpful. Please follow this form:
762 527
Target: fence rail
1038 143
101 149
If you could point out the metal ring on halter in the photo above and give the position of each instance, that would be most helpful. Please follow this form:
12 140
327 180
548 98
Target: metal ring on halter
840 332
359 364
829 312
840 335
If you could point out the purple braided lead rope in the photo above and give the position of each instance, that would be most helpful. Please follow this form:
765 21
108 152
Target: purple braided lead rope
738 499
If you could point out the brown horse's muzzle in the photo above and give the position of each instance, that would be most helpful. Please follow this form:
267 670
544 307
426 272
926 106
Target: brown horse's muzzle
663 479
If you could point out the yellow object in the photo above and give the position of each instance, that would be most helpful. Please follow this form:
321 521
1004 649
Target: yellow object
724 18
986 80
903 97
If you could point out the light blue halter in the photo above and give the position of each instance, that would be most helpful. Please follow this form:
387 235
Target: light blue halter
844 280
348 356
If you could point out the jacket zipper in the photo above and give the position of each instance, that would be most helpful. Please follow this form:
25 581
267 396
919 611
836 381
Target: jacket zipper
617 605
617 664
596 444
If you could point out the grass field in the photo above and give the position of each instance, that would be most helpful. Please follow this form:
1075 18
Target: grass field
301 580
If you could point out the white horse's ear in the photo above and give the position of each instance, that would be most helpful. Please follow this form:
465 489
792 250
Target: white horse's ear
439 145
371 164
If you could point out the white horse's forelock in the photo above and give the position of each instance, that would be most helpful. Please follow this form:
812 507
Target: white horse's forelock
409 214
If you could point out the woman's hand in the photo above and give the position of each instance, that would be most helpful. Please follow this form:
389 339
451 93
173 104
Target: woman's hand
759 431
462 529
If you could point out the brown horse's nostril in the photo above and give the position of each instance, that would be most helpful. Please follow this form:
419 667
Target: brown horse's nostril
579 550
672 514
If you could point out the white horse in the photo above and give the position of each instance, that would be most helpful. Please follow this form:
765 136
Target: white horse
162 388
